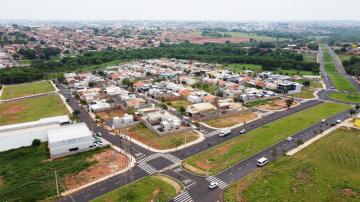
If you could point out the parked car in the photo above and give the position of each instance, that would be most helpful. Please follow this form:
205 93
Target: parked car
289 139
323 120
338 121
262 161
242 131
225 131
213 185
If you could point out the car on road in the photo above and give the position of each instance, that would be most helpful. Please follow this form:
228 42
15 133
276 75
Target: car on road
323 120
242 131
338 121
213 185
332 87
262 161
289 139
98 134
225 131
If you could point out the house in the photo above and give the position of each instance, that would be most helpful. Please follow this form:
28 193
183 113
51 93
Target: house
195 109
118 122
289 87
194 99
100 106
69 139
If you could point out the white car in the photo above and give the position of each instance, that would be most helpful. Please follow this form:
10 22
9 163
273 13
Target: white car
242 131
262 161
338 121
213 185
289 139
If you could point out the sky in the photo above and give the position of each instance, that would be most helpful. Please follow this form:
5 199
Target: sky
216 10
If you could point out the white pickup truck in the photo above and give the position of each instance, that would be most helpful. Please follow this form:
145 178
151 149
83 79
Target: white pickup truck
225 131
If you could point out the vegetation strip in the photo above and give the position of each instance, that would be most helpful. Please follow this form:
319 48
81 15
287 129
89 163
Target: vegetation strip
229 153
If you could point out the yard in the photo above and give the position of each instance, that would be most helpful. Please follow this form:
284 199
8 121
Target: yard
28 174
232 120
177 104
141 133
306 93
327 170
31 109
229 153
275 104
153 188
108 115
310 57
313 83
27 89
346 97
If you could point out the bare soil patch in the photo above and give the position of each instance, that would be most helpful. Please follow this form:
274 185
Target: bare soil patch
228 121
349 193
14 109
107 115
108 162
275 104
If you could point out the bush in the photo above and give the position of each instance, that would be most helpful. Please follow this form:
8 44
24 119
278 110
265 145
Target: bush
36 143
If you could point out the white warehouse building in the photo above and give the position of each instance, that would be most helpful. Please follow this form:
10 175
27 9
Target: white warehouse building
69 139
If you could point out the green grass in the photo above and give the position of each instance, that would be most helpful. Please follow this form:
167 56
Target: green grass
141 133
254 36
346 57
147 189
229 153
310 57
177 104
346 97
240 68
313 83
31 109
257 103
341 83
26 89
327 170
28 174
330 68
210 88
306 93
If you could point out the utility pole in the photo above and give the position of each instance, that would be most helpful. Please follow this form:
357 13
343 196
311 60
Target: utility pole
57 185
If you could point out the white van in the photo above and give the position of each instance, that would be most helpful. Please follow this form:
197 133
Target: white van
225 131
262 161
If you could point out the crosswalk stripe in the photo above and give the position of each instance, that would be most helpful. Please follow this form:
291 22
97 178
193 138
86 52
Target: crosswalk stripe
171 158
183 197
147 168
222 184
149 158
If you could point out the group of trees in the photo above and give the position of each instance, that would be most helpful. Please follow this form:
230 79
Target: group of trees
39 53
269 58
13 38
352 66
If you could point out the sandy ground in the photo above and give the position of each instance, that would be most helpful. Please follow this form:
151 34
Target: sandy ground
276 104
110 114
109 161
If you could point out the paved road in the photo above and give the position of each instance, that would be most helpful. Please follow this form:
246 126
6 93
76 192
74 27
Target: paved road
325 76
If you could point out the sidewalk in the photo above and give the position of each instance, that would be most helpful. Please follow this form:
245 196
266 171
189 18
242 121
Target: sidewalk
200 139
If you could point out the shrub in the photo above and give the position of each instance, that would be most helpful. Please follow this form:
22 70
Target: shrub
36 143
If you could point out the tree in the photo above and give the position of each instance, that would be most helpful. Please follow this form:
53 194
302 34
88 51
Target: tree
36 143
164 106
289 102
306 83
182 110
352 112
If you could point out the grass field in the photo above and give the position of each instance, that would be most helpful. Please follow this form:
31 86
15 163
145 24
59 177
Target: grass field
229 153
341 83
26 89
309 57
146 136
257 103
306 93
239 68
150 188
313 83
31 109
254 36
346 97
346 57
177 104
28 175
232 120
327 170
